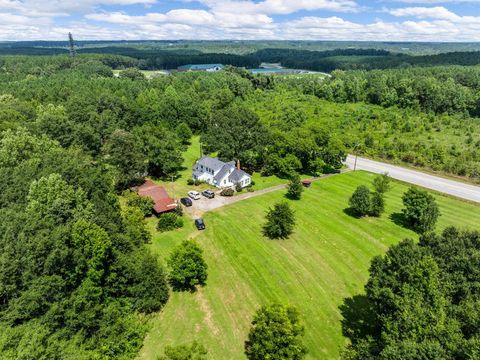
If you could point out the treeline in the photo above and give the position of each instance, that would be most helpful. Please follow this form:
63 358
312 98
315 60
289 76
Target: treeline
146 59
361 59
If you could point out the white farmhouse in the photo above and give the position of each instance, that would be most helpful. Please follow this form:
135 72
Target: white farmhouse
220 174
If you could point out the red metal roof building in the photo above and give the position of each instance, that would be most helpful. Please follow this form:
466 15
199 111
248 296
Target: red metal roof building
162 201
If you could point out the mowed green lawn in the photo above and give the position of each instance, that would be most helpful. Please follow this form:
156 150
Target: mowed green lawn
326 260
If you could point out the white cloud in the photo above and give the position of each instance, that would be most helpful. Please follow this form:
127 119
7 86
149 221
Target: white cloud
437 1
334 28
282 7
231 19
438 12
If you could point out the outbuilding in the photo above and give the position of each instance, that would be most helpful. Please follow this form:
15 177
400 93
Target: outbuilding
161 200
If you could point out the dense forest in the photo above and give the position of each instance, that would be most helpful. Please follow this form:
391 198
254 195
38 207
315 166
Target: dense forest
76 275
170 55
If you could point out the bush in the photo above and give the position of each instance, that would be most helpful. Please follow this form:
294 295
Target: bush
295 188
238 187
227 192
169 221
187 267
190 182
421 210
360 201
194 351
280 222
179 209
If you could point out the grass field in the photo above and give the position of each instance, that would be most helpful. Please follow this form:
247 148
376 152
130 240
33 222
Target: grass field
326 260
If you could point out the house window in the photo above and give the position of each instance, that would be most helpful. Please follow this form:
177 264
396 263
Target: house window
224 181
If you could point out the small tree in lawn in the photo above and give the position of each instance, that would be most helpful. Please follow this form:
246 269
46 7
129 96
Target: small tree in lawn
187 266
421 210
280 222
377 204
276 333
295 188
381 183
360 201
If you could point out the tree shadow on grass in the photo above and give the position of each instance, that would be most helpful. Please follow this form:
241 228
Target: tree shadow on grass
351 212
400 220
359 319
179 287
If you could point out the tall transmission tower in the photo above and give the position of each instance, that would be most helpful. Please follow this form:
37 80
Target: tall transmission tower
73 52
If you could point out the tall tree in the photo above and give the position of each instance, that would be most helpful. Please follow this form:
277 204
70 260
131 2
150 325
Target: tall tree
123 150
276 333
421 210
187 266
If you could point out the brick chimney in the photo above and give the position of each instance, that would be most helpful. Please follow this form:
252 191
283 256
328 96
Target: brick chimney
238 164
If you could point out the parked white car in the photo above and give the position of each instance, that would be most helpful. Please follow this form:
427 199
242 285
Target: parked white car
195 195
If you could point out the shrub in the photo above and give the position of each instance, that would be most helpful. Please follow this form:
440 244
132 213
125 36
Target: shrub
227 192
179 209
187 266
295 188
169 221
238 187
193 351
280 222
190 182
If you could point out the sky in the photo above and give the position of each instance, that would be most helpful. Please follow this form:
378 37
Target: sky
369 20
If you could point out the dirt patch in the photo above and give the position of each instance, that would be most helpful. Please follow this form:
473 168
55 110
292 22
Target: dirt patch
208 315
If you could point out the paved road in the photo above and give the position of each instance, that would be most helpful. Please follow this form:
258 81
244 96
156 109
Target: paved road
450 187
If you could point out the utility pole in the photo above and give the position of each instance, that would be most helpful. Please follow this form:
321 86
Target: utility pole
71 43
356 155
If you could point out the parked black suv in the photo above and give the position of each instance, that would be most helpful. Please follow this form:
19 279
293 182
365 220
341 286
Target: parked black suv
208 194
200 224
186 201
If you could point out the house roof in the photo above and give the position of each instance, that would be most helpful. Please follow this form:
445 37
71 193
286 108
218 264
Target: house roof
161 199
237 175
200 66
224 171
213 163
